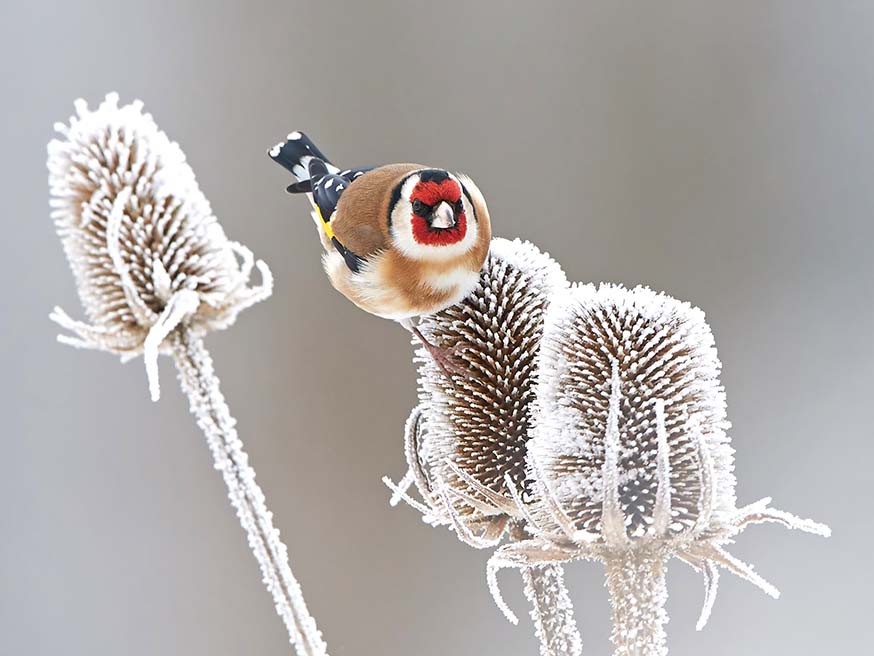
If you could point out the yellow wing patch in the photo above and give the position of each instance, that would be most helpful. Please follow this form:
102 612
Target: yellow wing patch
325 224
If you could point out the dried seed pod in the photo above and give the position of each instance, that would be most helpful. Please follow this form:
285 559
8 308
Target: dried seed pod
639 371
629 456
477 422
142 241
465 442
155 271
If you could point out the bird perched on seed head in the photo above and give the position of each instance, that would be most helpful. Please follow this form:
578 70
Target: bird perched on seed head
401 240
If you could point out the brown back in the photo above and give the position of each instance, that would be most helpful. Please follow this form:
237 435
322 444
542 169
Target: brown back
361 219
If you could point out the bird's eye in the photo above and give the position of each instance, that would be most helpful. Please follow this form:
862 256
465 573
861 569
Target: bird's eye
420 208
459 206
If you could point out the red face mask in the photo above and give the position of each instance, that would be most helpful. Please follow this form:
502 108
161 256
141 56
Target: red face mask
425 197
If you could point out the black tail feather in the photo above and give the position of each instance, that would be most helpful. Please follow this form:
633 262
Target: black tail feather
302 187
294 155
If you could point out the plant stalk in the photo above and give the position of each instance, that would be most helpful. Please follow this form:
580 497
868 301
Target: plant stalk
552 611
636 583
551 608
201 385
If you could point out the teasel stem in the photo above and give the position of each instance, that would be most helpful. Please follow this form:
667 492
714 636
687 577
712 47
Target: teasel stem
551 608
636 583
201 385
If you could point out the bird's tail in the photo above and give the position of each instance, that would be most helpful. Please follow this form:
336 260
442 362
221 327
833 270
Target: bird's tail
295 155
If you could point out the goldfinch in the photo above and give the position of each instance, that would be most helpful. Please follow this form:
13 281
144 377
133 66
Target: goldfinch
401 240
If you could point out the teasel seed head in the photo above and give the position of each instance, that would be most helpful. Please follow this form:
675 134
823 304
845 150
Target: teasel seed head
468 435
142 241
628 397
629 457
465 441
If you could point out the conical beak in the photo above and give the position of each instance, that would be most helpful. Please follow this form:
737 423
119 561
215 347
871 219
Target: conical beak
443 216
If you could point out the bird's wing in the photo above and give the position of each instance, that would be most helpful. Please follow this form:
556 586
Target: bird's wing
306 186
326 194
356 242
362 223
365 239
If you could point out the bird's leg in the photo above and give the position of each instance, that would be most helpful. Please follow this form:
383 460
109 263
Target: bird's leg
442 357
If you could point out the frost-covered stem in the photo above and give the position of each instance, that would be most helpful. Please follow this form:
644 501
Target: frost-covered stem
201 385
551 608
552 611
636 583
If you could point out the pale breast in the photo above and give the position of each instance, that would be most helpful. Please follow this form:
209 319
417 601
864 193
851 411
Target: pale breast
388 287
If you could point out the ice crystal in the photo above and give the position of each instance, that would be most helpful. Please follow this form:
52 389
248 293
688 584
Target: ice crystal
142 241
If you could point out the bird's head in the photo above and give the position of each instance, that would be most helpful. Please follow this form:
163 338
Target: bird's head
435 214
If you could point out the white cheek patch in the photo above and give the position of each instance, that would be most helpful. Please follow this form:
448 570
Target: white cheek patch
402 229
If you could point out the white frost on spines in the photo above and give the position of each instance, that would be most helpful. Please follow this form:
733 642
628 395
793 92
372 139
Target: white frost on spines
529 259
497 328
662 506
623 435
137 231
665 353
458 460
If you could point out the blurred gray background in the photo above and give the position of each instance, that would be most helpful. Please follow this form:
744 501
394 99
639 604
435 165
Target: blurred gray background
723 152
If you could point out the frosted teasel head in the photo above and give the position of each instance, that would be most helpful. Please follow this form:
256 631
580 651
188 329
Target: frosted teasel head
629 456
629 395
142 241
466 439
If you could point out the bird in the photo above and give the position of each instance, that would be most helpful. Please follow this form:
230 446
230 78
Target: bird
401 241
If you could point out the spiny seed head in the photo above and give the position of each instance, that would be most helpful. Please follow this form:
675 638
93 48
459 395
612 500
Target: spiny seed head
591 421
616 367
479 420
140 236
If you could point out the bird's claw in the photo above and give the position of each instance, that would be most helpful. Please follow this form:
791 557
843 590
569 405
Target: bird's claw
445 360
443 357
